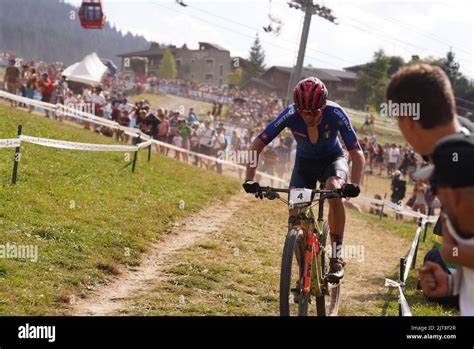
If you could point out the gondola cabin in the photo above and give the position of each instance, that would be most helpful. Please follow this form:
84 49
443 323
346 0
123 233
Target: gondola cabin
91 14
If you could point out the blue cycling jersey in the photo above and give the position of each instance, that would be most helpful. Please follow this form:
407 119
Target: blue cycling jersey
334 121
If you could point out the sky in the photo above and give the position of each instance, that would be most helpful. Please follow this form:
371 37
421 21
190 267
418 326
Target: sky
403 28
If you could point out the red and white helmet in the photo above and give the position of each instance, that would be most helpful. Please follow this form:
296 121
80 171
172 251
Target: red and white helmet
310 94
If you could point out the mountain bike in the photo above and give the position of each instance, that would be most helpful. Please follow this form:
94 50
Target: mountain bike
305 260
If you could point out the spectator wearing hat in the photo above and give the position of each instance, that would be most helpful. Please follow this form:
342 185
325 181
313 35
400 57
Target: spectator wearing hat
451 176
12 79
152 123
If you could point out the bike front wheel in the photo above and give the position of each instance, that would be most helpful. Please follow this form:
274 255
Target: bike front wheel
292 300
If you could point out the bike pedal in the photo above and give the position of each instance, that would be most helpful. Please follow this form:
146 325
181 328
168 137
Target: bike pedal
333 280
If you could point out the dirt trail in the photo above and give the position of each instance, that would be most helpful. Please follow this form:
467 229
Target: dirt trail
363 283
364 279
115 296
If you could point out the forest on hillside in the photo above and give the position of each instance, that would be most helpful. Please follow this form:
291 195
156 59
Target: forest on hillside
42 29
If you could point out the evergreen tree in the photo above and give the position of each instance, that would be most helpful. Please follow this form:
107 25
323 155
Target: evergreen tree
256 64
167 67
451 67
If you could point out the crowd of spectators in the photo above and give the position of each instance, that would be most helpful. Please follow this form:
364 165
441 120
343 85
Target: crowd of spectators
211 134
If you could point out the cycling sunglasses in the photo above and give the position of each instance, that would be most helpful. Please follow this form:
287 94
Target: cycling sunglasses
309 111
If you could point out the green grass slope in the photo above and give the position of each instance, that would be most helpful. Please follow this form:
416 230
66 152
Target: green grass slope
85 211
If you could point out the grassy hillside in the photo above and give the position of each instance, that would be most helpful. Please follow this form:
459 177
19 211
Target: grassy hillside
86 212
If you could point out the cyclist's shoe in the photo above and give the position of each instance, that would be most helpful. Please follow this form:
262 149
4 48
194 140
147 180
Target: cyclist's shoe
296 292
336 270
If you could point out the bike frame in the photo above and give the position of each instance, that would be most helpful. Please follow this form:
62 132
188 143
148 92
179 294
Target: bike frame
312 230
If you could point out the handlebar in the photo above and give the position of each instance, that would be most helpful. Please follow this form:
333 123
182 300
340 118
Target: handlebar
272 193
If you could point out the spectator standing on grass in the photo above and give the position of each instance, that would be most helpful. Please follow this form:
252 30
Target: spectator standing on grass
87 99
163 131
87 93
403 168
151 125
98 100
62 89
207 141
214 108
12 79
191 117
393 154
412 165
220 145
379 158
124 118
31 86
173 126
210 117
398 187
185 132
46 88
235 141
194 138
177 142
25 73
419 205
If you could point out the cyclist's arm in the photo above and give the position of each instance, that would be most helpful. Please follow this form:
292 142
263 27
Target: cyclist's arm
271 131
256 147
352 145
358 162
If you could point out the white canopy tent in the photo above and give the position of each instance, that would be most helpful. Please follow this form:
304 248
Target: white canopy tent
87 71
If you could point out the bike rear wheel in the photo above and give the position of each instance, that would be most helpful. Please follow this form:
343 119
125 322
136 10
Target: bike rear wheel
292 300
328 303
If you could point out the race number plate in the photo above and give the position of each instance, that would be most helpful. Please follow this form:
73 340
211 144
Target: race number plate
299 197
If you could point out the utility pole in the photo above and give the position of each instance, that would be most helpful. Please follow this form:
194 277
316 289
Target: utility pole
309 9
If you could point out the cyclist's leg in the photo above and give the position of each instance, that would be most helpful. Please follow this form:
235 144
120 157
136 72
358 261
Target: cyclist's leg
335 176
336 214
303 176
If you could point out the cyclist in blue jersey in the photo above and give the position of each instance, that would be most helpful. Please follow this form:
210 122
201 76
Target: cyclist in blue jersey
315 124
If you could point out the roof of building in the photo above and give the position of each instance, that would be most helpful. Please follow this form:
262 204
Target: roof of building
307 71
260 82
156 50
341 74
209 45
